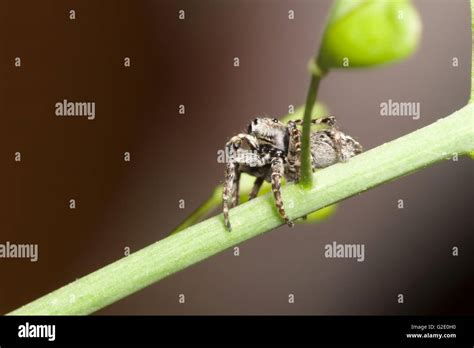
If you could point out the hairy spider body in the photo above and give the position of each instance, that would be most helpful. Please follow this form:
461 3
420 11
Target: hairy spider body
272 150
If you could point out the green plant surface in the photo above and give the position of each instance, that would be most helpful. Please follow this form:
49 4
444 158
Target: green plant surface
438 141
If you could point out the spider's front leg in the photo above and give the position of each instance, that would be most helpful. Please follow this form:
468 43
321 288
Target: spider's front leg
277 173
230 192
229 183
232 175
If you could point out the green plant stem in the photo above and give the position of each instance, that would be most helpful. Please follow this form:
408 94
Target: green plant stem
438 141
306 179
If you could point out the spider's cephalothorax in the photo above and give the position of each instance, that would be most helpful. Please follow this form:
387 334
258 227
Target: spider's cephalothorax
272 151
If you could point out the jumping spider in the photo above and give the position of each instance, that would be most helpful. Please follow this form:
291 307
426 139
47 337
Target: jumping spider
273 151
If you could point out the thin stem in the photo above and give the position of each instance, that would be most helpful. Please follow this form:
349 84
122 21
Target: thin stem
306 166
317 73
438 141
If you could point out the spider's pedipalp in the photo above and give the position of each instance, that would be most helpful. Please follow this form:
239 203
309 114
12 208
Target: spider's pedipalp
236 141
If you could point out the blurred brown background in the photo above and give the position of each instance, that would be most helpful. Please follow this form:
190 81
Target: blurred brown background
189 62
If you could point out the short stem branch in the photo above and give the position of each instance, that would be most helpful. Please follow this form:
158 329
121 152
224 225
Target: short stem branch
306 166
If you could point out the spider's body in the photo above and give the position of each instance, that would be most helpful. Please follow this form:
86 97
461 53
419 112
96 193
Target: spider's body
273 151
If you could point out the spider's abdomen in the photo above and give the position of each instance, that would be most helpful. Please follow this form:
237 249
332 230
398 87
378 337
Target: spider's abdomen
323 148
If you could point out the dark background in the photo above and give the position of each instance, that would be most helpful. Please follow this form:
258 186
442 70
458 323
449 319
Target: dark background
189 62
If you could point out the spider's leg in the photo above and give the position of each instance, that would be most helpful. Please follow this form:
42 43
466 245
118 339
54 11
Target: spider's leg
236 186
327 120
277 173
227 191
237 157
256 187
294 150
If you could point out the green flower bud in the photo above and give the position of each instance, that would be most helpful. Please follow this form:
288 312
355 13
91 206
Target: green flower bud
365 33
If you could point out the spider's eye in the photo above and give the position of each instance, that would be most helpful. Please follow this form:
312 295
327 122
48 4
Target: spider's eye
275 120
255 122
